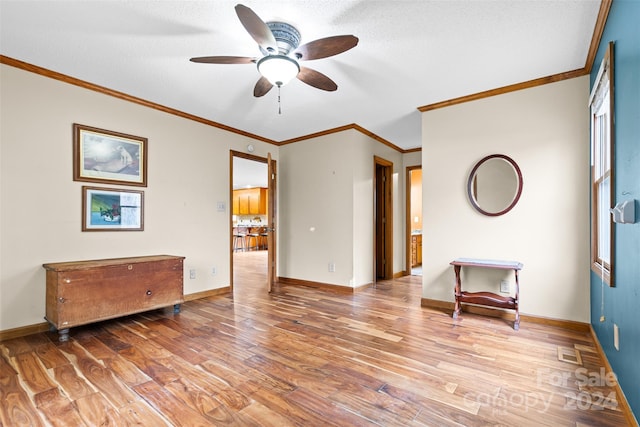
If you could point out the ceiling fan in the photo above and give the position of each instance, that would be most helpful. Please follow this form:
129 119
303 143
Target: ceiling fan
279 44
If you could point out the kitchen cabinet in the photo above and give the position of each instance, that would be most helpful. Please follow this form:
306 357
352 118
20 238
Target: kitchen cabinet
250 201
416 250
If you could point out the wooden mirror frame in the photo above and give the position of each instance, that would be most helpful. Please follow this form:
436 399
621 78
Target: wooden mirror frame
470 184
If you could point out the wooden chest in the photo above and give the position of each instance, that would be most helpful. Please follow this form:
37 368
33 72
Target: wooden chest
83 292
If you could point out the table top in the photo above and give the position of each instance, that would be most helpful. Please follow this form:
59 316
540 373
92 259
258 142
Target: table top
488 263
97 263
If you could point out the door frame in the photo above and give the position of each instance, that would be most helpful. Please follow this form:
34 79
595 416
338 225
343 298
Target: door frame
408 205
387 167
271 246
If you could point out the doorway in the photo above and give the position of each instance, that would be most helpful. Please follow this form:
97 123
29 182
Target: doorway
383 219
413 222
252 244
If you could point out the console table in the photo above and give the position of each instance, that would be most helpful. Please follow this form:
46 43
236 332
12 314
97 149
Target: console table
487 298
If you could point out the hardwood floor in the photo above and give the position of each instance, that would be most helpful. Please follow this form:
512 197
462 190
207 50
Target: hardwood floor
306 357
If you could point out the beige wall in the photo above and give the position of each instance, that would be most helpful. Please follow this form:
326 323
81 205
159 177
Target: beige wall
326 208
546 131
40 211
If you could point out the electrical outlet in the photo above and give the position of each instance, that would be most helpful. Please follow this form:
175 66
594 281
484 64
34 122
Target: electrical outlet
504 287
616 337
213 271
332 267
192 273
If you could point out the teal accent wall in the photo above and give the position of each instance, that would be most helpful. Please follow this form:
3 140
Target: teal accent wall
622 303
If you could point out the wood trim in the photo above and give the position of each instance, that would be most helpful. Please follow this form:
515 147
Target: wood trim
412 150
120 95
622 399
289 281
23 331
505 89
351 126
437 304
318 134
506 315
603 14
247 156
206 294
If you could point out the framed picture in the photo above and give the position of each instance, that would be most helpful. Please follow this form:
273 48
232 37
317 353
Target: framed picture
111 209
108 157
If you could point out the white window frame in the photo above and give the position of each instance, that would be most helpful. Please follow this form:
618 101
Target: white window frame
601 104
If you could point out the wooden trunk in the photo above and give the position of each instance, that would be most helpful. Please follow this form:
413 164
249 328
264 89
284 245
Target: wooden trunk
84 292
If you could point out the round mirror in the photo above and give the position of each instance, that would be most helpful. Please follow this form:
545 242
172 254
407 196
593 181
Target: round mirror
495 185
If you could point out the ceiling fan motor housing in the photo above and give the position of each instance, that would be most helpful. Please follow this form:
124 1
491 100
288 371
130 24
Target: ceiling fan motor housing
287 37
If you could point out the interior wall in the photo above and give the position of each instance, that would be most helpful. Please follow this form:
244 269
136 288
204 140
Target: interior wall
620 304
40 204
363 224
315 210
546 131
326 208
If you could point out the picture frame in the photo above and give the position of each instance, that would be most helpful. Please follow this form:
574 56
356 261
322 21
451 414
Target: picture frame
112 209
108 157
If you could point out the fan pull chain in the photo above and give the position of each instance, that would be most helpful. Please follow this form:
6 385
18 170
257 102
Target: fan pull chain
279 108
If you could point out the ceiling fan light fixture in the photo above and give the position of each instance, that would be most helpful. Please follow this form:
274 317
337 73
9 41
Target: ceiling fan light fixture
278 69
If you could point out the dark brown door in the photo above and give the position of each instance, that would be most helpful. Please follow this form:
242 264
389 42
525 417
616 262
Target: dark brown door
271 223
383 223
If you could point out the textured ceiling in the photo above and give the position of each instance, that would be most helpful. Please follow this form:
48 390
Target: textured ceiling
410 54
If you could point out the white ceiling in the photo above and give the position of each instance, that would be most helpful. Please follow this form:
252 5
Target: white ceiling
410 54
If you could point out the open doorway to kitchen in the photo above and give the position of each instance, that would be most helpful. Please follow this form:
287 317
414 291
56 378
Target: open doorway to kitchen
414 220
250 240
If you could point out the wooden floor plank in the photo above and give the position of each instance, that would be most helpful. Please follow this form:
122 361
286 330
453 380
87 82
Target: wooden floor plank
16 408
58 409
115 391
95 410
140 413
74 386
170 406
33 372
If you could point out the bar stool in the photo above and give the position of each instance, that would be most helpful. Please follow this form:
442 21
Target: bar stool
255 236
264 238
239 240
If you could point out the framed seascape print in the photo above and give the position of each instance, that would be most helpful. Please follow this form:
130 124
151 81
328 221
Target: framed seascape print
108 157
111 209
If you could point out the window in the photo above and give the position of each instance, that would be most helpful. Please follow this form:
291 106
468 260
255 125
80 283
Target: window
602 188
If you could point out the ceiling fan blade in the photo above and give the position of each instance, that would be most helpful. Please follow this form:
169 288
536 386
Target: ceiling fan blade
224 60
316 79
262 87
257 28
323 48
